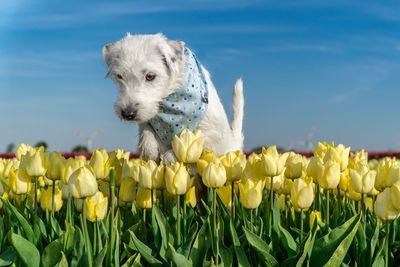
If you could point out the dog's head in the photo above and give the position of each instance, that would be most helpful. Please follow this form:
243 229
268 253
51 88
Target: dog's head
146 69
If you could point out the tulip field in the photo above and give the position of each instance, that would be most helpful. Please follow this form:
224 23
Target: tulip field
335 208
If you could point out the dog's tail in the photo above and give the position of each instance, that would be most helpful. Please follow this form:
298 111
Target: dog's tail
237 113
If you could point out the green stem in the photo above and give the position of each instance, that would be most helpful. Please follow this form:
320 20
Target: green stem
112 229
35 204
327 209
317 199
99 241
86 233
215 228
53 190
144 216
184 221
251 220
233 201
301 225
178 219
387 228
363 215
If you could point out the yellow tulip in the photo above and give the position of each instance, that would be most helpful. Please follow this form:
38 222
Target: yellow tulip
395 195
294 166
19 182
373 164
145 174
177 178
225 194
344 180
69 166
100 163
22 149
369 203
253 169
143 198
387 173
301 194
353 194
362 180
127 190
8 165
116 160
384 207
282 202
339 154
33 162
96 207
188 146
205 159
315 168
131 168
54 165
214 175
251 193
190 197
46 199
277 182
358 158
286 186
331 175
82 183
321 149
234 163
272 164
315 215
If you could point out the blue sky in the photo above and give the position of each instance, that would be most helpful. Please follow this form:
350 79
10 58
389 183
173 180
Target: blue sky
332 66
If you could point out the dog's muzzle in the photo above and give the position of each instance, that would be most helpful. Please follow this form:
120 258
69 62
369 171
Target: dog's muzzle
129 114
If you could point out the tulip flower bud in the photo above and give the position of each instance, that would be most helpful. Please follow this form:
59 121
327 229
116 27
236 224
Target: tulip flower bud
46 199
384 207
82 182
294 166
357 159
69 166
286 186
395 195
225 194
369 203
315 168
54 165
127 190
33 162
214 175
331 175
188 146
277 182
205 159
321 149
251 193
96 207
315 215
282 202
301 194
22 149
143 198
339 154
19 182
254 168
234 163
100 163
362 180
344 180
272 164
177 178
145 174
387 173
190 197
131 168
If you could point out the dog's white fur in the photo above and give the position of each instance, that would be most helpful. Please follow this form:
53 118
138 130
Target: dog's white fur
131 58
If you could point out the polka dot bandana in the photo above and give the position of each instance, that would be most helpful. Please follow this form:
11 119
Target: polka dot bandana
186 107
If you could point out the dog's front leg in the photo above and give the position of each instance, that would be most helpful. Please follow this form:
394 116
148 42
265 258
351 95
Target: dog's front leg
149 146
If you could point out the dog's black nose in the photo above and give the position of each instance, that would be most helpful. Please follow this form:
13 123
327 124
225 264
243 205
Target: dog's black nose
128 114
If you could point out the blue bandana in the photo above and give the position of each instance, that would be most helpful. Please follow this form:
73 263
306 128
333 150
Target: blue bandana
186 107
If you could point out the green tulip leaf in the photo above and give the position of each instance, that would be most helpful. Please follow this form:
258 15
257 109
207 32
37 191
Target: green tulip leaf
288 242
63 261
145 251
8 256
331 249
240 254
52 253
200 246
176 258
27 251
22 221
261 247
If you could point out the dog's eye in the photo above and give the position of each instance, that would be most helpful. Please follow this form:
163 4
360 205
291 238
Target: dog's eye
119 76
150 76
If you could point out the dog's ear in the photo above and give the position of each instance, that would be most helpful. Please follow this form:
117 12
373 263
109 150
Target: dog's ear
106 52
172 52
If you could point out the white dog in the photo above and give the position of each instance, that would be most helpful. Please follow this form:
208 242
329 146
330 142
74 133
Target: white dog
164 89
